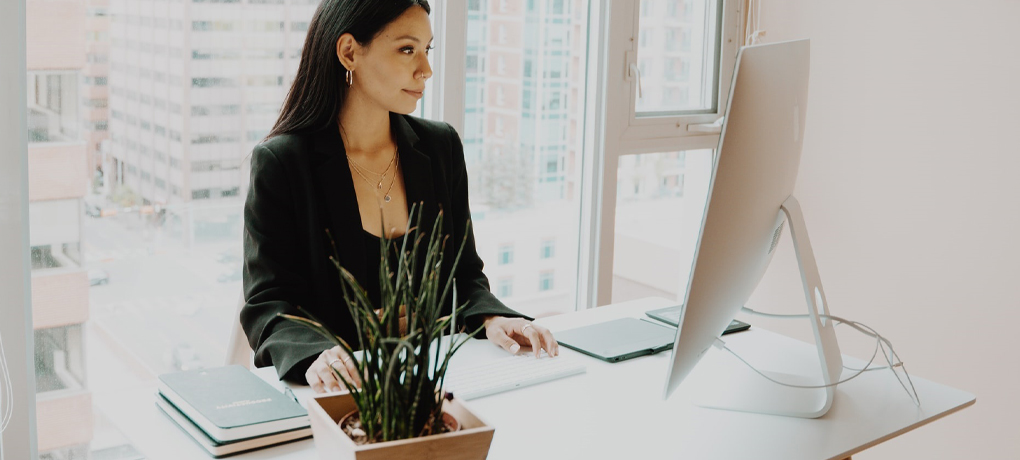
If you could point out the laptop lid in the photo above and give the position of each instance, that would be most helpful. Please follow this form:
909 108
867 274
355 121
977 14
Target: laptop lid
619 339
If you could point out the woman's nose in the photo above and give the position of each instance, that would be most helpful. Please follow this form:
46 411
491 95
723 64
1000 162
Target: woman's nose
426 70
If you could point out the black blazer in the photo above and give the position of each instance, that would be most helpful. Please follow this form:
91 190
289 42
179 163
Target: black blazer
301 185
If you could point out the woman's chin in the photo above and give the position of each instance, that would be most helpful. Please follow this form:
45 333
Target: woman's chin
405 109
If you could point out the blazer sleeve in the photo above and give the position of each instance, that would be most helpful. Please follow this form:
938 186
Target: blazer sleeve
273 280
472 284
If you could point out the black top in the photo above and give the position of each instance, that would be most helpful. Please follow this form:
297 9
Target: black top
301 188
372 263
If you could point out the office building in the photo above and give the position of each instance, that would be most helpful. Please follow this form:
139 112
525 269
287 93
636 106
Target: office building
57 153
94 87
193 87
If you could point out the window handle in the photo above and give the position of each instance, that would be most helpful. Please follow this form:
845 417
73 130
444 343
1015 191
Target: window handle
714 127
635 73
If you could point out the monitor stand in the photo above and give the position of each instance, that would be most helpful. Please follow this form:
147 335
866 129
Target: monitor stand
723 382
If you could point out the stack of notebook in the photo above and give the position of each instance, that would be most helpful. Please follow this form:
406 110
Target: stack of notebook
228 410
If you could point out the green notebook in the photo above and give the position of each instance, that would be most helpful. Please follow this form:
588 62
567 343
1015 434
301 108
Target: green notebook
230 403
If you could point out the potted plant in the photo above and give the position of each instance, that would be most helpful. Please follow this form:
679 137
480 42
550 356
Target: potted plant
400 409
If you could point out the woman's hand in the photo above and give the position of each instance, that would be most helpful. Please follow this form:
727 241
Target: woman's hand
320 376
511 333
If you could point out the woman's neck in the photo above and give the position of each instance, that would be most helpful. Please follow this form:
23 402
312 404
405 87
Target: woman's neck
364 128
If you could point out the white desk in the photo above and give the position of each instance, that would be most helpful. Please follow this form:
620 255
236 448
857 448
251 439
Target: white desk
615 410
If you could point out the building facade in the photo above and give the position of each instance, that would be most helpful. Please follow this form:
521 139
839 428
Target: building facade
194 85
57 152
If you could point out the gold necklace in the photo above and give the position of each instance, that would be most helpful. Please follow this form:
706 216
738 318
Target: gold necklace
382 175
386 196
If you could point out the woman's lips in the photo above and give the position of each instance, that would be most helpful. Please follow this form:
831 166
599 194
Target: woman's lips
417 94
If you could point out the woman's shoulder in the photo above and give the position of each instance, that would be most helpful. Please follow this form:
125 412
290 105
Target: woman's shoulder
283 147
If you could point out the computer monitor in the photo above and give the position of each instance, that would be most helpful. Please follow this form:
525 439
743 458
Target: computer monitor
750 201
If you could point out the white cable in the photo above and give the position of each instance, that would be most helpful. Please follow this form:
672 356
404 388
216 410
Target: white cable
752 28
6 392
891 357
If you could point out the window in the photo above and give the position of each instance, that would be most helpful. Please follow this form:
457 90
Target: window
660 174
662 41
52 107
508 162
505 288
545 281
548 250
506 254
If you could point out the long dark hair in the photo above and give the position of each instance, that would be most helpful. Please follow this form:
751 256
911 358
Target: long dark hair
319 89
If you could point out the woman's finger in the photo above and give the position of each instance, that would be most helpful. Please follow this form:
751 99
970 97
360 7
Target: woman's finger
351 373
329 379
529 331
498 336
548 341
313 380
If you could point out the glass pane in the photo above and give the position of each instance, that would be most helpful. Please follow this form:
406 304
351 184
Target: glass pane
678 46
522 141
659 205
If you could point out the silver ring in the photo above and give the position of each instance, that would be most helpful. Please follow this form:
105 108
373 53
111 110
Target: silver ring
333 361
525 328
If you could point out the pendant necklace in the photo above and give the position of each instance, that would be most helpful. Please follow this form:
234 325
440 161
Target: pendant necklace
382 176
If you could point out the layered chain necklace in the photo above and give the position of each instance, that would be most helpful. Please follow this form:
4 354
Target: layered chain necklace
361 170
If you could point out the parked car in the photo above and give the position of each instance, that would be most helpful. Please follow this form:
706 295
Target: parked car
98 276
93 210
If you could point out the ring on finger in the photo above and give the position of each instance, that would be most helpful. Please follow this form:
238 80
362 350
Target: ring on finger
525 328
333 361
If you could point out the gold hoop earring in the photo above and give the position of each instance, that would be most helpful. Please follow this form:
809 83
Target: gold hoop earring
350 77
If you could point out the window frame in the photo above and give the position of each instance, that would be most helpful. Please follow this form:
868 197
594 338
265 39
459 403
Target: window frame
16 331
624 133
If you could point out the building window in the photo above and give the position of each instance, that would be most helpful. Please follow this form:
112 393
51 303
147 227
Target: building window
506 254
545 281
59 359
505 288
548 249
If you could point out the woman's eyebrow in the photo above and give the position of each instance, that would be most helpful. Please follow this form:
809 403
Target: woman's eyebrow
411 37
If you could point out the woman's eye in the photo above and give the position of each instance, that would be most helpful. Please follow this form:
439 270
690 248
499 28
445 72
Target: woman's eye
410 49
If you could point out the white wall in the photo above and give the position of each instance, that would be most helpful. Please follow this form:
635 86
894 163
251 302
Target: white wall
910 191
55 222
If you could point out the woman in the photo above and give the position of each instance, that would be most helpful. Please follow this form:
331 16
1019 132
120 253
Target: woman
344 157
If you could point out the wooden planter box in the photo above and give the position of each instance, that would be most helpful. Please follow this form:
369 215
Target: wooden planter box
470 443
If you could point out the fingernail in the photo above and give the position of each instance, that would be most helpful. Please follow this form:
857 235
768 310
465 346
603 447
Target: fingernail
515 348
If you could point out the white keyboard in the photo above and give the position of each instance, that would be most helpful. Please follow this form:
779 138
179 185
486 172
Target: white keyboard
509 373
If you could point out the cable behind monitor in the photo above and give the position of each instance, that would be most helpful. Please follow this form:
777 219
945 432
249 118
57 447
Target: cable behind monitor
6 391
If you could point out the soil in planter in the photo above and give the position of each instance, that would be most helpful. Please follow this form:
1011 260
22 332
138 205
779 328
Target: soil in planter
351 425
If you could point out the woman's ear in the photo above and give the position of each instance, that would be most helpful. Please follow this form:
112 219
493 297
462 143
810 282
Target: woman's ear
346 48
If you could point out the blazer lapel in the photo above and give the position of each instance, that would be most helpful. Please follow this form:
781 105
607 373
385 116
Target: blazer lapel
336 189
418 182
